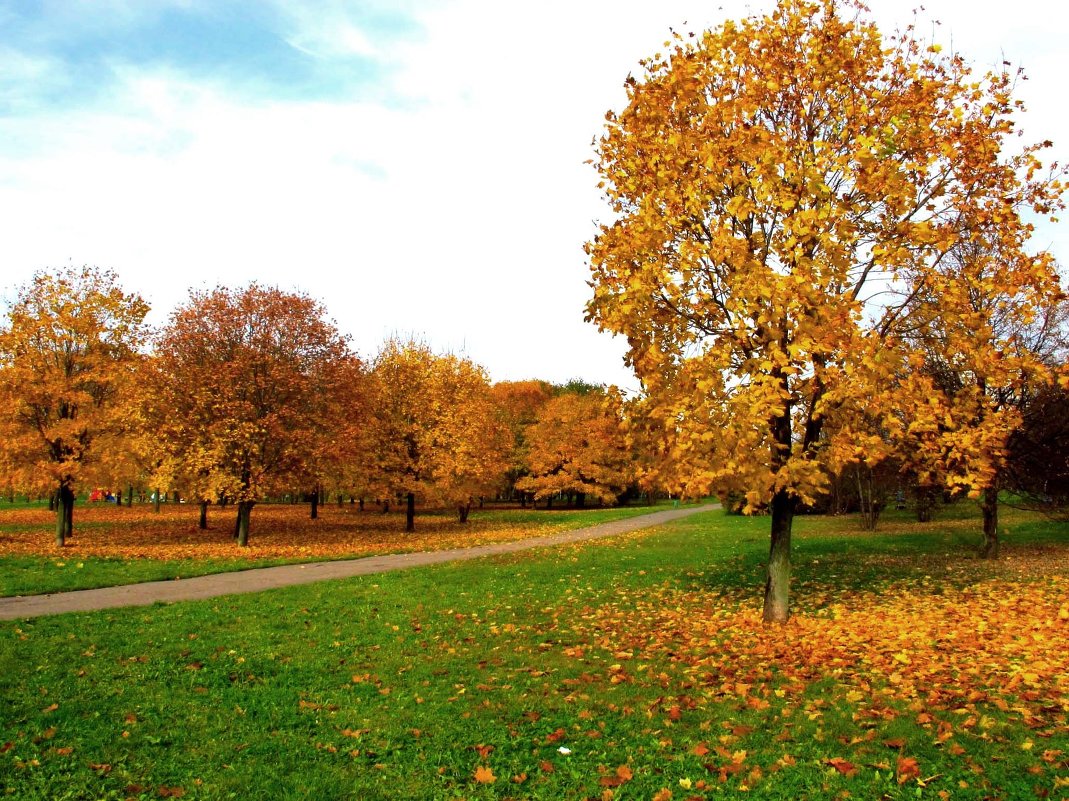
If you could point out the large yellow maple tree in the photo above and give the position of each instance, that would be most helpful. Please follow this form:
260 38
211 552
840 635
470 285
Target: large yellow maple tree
781 187
67 352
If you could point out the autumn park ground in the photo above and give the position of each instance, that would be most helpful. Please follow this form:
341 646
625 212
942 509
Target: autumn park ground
633 667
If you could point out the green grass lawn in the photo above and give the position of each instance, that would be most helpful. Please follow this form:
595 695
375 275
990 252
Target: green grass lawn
629 668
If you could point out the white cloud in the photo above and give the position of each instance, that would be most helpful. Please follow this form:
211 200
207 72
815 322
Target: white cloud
459 210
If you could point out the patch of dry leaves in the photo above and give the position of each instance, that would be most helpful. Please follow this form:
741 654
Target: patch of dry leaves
941 651
278 531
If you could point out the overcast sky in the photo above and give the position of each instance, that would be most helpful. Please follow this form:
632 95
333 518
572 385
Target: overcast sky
417 166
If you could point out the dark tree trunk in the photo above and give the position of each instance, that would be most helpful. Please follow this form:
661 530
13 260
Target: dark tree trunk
463 510
385 507
580 499
778 579
361 504
156 502
51 502
549 501
177 497
523 500
925 504
244 510
315 503
118 499
203 515
130 495
410 512
64 514
989 505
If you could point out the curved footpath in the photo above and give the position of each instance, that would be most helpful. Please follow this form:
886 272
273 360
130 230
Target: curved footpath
267 578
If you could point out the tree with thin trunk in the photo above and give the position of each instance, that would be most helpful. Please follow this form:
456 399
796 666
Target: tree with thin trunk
242 388
781 188
68 348
577 446
435 432
986 363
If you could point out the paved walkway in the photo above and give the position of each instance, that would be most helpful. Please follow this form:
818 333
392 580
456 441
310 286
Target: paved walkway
267 578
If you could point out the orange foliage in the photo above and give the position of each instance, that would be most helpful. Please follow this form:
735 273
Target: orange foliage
245 393
435 430
577 445
67 351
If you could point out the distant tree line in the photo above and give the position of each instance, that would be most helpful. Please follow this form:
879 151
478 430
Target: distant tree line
251 393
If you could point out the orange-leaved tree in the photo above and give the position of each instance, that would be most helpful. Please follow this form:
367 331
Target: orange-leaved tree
519 403
67 352
437 433
781 186
243 393
577 447
990 346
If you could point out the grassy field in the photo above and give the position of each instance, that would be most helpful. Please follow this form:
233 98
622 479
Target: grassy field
631 668
123 545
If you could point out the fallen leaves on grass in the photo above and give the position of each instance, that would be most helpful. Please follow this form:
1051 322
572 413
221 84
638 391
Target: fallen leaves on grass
278 531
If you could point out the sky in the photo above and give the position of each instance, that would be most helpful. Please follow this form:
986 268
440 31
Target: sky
418 165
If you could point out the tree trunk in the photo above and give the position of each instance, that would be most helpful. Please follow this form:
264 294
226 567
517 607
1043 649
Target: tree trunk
156 502
244 509
778 580
315 503
177 497
51 502
118 499
523 500
549 501
130 495
410 512
361 504
580 499
925 504
989 505
64 514
463 510
203 514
